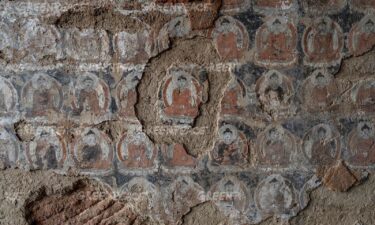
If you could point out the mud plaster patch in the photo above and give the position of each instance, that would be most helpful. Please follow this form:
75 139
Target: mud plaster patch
198 51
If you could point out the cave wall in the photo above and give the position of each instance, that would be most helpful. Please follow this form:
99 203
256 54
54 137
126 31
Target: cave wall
187 112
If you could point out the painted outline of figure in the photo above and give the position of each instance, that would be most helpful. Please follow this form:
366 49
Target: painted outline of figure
144 193
184 193
7 40
320 90
39 41
231 196
126 94
86 45
275 195
321 145
361 143
274 91
47 150
234 98
276 147
362 36
182 95
42 95
323 42
91 95
231 148
363 95
230 37
276 43
8 97
9 149
92 151
133 47
136 151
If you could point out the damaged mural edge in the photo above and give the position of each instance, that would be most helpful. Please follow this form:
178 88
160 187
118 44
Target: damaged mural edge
249 105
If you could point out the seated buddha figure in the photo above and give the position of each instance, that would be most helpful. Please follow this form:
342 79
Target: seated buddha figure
362 145
92 151
91 96
136 151
323 42
233 100
275 195
362 35
319 91
182 96
275 147
276 42
46 151
42 95
321 145
231 38
364 96
231 147
274 91
230 195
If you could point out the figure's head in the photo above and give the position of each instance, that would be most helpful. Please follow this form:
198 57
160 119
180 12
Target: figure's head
322 133
137 189
43 82
228 136
138 137
369 26
274 134
132 79
229 187
88 83
181 82
324 26
277 26
274 81
320 79
44 134
90 139
225 22
366 130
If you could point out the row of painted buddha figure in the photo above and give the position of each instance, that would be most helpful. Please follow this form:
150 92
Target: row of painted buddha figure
309 7
32 41
272 195
44 95
276 40
275 147
181 95
92 150
320 92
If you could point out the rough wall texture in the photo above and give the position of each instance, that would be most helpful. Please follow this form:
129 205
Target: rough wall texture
187 112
